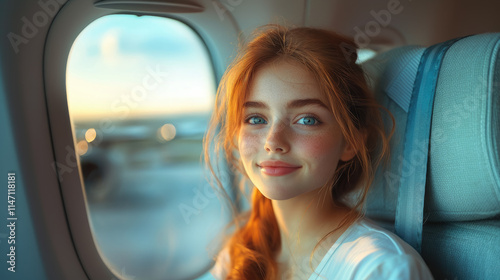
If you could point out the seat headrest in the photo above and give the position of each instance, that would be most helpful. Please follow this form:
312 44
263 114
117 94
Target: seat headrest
463 178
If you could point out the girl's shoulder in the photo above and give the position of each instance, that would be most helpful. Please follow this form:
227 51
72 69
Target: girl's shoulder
366 234
367 251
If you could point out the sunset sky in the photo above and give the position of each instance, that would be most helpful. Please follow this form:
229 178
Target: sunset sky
129 66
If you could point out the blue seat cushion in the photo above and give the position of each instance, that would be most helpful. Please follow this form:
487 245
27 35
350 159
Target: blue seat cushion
463 179
463 250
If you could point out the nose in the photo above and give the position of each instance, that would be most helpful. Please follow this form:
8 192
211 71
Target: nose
276 141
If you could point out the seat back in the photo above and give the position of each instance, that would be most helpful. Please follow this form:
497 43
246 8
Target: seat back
461 233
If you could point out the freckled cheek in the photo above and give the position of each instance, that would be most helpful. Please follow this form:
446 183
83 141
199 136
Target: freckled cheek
249 143
324 150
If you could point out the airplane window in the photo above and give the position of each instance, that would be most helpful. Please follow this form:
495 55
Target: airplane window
140 92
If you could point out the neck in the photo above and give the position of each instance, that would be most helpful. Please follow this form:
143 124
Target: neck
303 221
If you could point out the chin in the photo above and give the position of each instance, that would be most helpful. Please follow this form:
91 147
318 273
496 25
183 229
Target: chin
277 193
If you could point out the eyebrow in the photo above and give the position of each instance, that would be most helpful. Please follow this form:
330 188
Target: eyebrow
292 104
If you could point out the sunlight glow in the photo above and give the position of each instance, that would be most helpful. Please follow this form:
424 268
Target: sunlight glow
128 67
109 46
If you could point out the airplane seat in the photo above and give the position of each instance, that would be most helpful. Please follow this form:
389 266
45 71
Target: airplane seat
441 189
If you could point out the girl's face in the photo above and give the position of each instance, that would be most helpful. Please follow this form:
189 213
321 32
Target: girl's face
289 141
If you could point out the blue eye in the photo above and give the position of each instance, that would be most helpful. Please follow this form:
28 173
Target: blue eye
255 120
308 121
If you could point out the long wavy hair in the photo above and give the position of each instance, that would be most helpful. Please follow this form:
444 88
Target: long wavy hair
331 58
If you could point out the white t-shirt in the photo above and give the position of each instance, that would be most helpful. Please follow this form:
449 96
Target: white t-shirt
367 251
364 251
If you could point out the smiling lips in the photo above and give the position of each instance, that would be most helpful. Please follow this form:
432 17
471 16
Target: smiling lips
277 168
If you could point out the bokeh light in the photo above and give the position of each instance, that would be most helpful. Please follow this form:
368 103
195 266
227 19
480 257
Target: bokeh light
90 135
167 132
82 147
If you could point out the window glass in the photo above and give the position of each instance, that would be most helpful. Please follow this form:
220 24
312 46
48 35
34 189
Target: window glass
140 92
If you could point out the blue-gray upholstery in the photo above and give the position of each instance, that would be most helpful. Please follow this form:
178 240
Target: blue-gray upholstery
461 236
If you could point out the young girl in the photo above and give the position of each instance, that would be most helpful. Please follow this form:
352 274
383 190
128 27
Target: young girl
295 117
